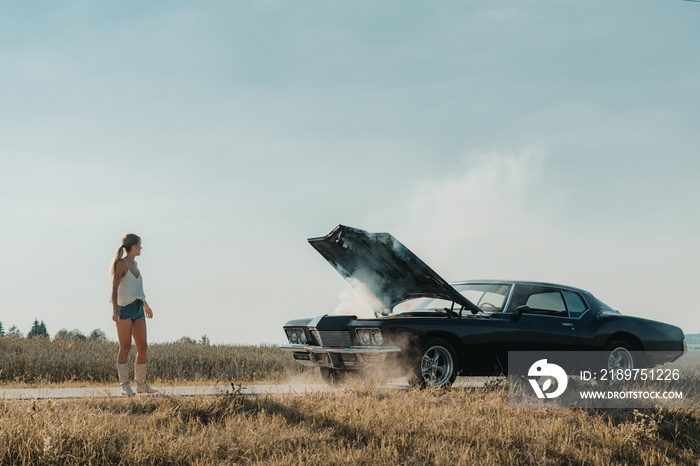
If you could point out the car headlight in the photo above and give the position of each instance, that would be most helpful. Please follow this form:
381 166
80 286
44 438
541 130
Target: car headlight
296 336
369 336
363 336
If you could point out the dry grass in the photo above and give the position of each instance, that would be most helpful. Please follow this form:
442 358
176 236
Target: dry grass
363 424
39 362
360 425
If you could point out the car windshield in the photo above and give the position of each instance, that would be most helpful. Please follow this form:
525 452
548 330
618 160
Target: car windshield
489 297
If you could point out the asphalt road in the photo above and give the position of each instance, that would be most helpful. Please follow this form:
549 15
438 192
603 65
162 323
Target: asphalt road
689 362
89 392
199 390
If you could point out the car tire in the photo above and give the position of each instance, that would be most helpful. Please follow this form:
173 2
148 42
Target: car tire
435 365
619 356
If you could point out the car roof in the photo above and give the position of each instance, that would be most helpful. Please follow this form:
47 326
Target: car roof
519 282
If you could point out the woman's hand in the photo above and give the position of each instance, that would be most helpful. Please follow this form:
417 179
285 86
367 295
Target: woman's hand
115 315
147 310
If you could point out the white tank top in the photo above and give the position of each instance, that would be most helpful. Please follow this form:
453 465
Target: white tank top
130 288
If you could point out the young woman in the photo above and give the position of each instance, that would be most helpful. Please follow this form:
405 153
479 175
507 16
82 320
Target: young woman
129 311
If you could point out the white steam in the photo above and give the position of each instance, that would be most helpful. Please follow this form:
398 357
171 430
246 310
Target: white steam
464 223
357 300
472 223
509 215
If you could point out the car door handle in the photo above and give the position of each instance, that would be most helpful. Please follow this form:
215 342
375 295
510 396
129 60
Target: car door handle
568 324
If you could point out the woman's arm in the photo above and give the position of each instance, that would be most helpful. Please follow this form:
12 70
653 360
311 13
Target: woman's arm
116 280
147 310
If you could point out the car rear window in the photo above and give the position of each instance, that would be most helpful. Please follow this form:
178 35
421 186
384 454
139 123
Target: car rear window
607 310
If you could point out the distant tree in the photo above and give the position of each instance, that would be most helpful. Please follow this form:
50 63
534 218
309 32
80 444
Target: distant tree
14 332
187 341
76 334
98 335
38 330
204 340
62 335
2 330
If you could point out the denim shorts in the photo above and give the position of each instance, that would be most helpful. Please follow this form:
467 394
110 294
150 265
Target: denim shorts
133 311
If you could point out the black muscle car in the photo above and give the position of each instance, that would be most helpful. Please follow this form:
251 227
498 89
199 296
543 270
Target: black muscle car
432 331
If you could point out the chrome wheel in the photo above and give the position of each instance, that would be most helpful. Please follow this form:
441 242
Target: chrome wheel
437 366
620 358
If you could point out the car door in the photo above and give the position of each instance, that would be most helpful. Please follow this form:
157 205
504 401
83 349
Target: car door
546 324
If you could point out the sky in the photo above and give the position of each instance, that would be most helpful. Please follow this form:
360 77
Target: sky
538 140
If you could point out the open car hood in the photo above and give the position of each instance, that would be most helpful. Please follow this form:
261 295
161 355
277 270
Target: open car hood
389 271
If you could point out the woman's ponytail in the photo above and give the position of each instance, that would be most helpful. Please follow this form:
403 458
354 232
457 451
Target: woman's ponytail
117 258
128 241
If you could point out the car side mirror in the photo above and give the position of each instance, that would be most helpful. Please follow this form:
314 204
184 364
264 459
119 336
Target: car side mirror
519 312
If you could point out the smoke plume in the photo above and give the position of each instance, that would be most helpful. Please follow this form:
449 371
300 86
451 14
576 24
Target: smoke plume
357 300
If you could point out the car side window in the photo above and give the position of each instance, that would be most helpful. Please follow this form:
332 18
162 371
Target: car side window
541 299
574 303
549 303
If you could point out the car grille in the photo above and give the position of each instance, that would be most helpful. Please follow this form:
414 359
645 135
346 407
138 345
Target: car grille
332 338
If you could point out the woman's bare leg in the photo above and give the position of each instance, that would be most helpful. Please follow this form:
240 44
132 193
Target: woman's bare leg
138 330
124 331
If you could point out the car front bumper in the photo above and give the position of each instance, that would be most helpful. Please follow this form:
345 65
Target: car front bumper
339 358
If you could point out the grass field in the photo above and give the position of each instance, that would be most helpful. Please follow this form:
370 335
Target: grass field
29 362
361 424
